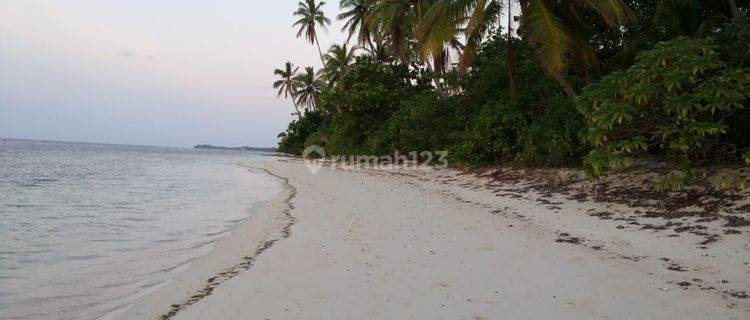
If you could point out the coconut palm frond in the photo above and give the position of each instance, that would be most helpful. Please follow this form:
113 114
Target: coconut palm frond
397 19
311 16
550 37
613 12
338 61
308 88
287 83
483 18
356 19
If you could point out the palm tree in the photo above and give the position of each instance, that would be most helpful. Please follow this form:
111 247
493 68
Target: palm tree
338 60
380 53
551 28
397 19
311 15
287 84
308 88
437 48
511 56
356 20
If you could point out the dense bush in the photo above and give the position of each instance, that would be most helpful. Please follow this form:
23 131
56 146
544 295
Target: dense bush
387 108
491 136
299 131
424 123
734 47
672 102
683 101
540 129
376 91
551 139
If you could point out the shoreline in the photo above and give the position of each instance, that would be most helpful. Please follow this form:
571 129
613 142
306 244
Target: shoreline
247 261
442 244
230 256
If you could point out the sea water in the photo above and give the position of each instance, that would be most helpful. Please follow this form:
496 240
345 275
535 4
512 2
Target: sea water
85 229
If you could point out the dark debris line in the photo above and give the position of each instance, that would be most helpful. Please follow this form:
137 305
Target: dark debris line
245 264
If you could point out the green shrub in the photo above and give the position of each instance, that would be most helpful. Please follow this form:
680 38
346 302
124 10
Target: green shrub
734 46
319 138
734 43
424 123
374 93
551 139
491 137
299 131
348 135
673 102
542 128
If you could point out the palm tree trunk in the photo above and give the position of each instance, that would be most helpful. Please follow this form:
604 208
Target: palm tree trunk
372 46
510 63
436 80
440 89
296 108
734 9
320 51
560 78
439 85
290 94
397 45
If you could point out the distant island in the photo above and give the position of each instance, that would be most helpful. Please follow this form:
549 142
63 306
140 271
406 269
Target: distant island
243 148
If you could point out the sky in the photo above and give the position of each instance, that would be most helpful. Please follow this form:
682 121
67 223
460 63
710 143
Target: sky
165 73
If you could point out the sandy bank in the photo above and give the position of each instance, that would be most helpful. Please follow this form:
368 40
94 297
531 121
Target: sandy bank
440 245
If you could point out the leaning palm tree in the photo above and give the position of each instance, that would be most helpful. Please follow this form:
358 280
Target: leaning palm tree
552 28
359 11
311 15
338 61
308 88
287 84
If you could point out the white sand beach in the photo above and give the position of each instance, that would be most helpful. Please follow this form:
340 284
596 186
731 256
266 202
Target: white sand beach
439 244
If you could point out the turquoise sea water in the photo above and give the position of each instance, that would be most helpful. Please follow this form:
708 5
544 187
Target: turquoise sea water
87 228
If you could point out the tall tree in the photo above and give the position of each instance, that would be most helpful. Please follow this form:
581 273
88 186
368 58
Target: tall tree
397 19
435 45
338 60
733 9
308 88
472 18
287 84
380 52
311 15
511 56
556 33
552 28
357 16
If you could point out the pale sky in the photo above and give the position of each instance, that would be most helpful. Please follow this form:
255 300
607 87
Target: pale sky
167 73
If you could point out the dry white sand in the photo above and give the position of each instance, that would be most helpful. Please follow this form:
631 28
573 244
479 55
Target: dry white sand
428 245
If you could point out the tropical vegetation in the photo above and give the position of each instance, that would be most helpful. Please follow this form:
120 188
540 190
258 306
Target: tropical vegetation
591 83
